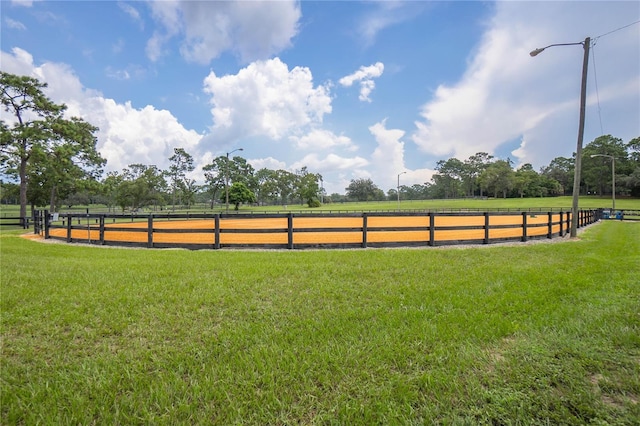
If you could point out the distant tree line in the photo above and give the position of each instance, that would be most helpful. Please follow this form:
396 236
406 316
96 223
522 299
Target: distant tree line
483 175
55 163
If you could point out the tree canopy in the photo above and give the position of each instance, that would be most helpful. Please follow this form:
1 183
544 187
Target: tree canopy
49 154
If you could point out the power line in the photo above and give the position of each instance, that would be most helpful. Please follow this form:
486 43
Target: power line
617 29
594 41
595 75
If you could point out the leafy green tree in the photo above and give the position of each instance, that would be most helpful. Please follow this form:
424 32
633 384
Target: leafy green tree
560 170
214 175
286 185
34 115
596 171
473 167
70 164
527 182
140 186
632 180
308 186
48 153
111 186
633 148
550 187
181 162
498 177
241 171
267 185
364 190
337 198
188 189
9 192
239 193
450 176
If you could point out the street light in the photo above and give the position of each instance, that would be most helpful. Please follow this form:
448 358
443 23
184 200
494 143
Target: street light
399 188
226 180
613 177
578 163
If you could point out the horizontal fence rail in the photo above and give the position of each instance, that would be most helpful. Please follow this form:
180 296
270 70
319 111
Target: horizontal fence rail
308 230
13 221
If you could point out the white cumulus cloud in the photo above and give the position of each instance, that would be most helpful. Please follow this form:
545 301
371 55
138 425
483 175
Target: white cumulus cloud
252 30
506 97
265 99
387 160
364 76
126 134
321 139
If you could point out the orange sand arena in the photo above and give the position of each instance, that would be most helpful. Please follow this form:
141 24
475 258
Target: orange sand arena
323 230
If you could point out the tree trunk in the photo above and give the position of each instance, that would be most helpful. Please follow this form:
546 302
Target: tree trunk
23 186
52 199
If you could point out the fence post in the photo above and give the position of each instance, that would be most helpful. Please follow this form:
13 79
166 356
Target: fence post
524 227
46 224
69 220
102 229
550 225
150 231
561 222
34 216
364 230
216 222
432 231
289 230
486 228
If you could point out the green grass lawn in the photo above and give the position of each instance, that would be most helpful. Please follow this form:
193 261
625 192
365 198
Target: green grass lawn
512 334
586 202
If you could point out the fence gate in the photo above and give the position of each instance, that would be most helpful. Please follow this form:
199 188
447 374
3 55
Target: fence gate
41 221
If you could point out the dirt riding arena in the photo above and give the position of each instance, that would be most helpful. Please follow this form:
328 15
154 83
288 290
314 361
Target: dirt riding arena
289 231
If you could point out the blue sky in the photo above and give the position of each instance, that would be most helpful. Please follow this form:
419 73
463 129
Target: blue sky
348 89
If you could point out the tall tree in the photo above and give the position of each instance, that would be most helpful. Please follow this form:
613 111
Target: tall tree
498 177
214 175
73 162
33 115
241 171
597 171
240 193
560 170
285 184
364 190
632 181
267 185
472 169
181 162
633 147
527 182
449 176
141 185
308 187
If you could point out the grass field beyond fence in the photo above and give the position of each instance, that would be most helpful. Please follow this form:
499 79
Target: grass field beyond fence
523 334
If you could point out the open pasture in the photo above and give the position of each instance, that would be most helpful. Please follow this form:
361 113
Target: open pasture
520 334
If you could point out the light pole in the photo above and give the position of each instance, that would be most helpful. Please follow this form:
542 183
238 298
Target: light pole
398 188
613 177
578 163
226 180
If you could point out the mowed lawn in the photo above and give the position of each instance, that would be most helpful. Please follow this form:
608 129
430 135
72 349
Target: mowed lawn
545 333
